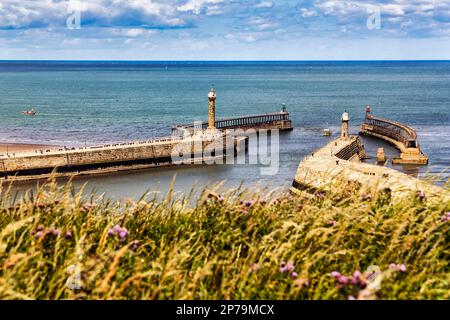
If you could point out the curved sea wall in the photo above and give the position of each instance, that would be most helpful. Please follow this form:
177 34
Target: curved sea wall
400 135
340 161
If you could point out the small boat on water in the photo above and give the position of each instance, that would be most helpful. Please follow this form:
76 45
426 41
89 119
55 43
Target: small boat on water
326 132
31 112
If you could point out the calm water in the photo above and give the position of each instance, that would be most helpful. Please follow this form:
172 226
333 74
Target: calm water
96 102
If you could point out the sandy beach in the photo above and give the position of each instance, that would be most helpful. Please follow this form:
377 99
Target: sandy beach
16 147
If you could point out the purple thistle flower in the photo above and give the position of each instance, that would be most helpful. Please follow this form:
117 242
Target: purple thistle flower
332 223
397 267
336 275
53 232
351 298
68 235
38 235
320 195
123 233
446 217
135 245
117 229
290 266
249 203
294 275
366 197
111 233
422 195
343 280
362 283
283 267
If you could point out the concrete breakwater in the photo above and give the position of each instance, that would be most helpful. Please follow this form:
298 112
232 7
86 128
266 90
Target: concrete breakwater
401 136
97 159
340 161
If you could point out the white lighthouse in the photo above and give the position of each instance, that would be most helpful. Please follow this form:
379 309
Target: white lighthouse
212 110
344 126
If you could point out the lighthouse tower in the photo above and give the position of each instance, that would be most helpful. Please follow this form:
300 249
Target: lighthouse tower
344 126
212 109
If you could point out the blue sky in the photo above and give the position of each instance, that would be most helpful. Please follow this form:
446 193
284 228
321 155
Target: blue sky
225 29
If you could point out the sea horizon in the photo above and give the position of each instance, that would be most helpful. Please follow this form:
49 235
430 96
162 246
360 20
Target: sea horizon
230 60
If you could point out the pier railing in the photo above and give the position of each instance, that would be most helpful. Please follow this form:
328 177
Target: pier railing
394 130
245 121
398 134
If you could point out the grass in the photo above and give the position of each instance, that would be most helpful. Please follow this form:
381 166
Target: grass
62 244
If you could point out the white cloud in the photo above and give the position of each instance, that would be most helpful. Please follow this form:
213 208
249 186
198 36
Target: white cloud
43 13
264 4
308 13
388 7
132 33
261 23
196 6
420 17
243 37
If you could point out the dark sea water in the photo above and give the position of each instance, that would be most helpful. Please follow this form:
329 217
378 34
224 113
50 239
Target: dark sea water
98 102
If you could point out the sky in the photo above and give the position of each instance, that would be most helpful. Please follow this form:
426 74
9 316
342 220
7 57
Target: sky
224 29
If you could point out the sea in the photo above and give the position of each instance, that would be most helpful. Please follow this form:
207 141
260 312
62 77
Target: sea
98 102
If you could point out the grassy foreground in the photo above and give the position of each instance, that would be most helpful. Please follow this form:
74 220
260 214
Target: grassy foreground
58 244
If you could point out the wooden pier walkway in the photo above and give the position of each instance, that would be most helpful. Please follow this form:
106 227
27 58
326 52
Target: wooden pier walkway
278 120
401 136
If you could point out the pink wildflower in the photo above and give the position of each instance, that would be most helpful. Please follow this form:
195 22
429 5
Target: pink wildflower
336 275
290 266
283 267
38 234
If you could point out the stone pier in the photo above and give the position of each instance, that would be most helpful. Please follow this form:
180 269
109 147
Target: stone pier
117 157
401 136
340 161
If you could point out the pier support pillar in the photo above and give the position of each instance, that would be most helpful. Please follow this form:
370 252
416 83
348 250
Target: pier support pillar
381 156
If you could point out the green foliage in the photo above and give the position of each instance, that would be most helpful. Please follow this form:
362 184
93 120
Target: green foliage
61 244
